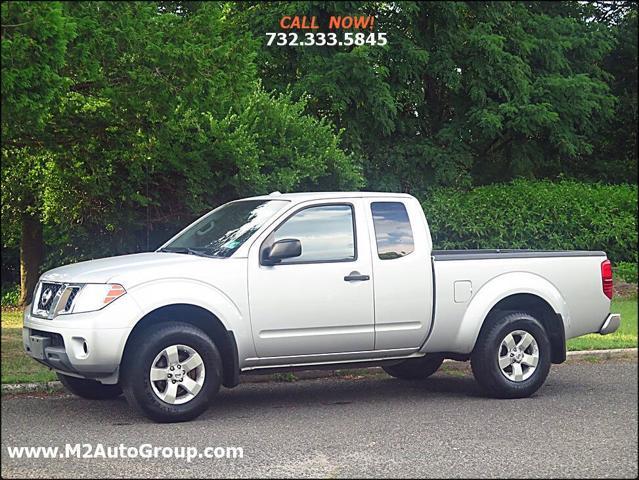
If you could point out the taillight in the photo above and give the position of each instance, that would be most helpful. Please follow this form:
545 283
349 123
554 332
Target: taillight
606 278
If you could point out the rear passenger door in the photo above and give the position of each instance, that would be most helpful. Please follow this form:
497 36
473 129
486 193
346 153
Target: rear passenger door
402 275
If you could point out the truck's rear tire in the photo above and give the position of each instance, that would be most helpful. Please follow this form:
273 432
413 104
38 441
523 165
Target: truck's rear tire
415 368
91 389
511 358
171 372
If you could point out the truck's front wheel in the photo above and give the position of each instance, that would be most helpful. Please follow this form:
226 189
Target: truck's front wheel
172 373
511 358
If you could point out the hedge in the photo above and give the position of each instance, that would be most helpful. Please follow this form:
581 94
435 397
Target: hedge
626 271
537 215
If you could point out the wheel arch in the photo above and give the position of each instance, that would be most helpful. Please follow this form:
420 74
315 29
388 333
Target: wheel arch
542 311
201 318
518 291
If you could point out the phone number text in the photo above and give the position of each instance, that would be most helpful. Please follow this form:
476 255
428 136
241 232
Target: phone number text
320 39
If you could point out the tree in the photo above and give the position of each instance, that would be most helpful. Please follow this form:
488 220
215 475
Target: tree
463 92
161 117
614 157
34 42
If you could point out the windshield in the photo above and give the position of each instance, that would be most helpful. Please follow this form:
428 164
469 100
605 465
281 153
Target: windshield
223 231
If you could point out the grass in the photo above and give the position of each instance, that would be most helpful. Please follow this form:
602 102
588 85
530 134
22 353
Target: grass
17 367
284 377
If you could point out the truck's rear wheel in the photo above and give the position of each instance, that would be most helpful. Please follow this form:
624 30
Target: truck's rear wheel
91 389
172 373
511 358
415 368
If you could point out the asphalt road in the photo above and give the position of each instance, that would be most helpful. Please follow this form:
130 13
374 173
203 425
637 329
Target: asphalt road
582 423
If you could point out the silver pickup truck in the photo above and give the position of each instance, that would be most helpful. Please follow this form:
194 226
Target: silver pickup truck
304 281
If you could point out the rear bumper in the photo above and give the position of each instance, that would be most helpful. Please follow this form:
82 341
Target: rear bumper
611 324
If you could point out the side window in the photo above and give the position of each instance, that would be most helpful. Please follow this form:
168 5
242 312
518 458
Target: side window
392 230
326 233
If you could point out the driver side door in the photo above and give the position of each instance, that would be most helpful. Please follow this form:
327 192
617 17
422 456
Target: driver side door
320 302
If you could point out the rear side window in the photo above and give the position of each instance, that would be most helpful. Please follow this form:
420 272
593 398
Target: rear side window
392 230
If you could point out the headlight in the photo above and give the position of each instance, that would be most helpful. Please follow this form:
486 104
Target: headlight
94 296
52 299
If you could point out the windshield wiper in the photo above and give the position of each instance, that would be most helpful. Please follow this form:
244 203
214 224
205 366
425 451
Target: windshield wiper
188 251
174 250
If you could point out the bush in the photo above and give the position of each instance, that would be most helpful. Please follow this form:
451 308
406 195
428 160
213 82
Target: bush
566 215
10 295
626 271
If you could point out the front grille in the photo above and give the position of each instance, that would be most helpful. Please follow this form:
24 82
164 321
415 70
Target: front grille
74 292
47 295
54 299
56 338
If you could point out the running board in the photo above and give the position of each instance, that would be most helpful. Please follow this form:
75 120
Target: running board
357 363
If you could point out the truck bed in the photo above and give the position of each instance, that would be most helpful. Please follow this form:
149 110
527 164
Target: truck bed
570 282
480 254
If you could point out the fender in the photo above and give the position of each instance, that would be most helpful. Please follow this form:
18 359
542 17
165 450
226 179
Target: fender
495 290
170 291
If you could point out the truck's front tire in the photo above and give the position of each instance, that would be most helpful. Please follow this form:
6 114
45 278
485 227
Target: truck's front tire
415 368
171 372
91 389
511 358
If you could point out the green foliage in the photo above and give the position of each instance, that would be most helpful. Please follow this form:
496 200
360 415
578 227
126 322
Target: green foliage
34 41
615 153
464 92
626 271
537 215
10 295
35 37
155 117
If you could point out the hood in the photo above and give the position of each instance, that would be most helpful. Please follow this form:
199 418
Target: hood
124 269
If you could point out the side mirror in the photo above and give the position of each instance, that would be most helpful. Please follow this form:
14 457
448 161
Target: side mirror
287 248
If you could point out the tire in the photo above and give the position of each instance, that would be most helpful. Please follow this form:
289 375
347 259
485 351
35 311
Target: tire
182 399
91 389
504 372
415 368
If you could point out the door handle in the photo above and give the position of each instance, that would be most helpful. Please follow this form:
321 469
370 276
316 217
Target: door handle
356 277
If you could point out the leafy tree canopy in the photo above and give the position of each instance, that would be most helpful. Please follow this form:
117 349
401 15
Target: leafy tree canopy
141 119
464 92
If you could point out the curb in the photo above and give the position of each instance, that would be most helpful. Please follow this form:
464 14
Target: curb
42 387
289 376
603 354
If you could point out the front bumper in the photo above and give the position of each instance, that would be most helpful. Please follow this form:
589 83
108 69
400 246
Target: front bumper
611 324
81 352
88 345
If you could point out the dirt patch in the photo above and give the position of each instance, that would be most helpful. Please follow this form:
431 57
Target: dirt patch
624 289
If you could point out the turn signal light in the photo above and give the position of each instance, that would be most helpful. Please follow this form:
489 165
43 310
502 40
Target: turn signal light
114 292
